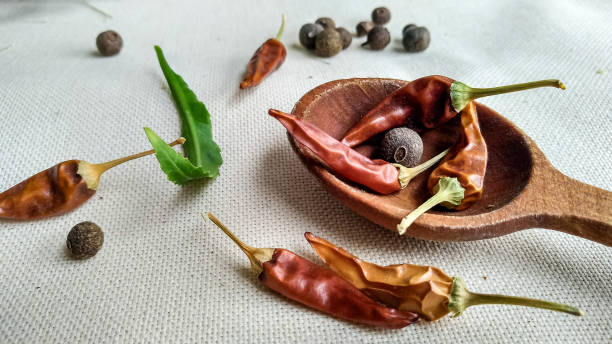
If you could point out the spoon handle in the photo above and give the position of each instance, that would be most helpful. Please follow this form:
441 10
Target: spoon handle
577 208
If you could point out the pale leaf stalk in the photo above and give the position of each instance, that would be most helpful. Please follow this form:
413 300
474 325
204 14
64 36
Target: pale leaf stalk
461 94
91 172
257 256
406 174
448 191
281 29
461 298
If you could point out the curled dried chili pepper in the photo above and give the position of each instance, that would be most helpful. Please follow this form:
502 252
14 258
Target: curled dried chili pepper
267 59
58 189
317 287
378 175
465 165
431 100
425 290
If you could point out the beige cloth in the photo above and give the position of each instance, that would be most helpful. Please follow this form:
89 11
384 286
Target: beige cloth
164 275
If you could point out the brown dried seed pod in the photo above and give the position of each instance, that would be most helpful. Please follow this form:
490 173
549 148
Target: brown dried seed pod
363 28
381 15
378 38
403 146
326 22
346 37
109 43
328 43
85 240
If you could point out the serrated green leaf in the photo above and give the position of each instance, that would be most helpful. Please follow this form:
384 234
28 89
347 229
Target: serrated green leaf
178 169
202 152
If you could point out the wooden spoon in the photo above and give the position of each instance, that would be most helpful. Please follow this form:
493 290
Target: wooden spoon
521 190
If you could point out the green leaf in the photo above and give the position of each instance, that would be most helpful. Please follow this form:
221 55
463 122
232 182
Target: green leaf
177 167
202 152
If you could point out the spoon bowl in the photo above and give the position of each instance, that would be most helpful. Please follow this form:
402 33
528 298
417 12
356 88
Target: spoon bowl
521 189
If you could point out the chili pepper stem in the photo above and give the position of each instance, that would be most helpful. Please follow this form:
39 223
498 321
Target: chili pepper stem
257 256
281 29
461 298
448 192
91 172
407 173
461 94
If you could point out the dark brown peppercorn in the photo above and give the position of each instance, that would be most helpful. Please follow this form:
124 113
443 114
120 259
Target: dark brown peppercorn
363 28
378 38
416 38
403 146
328 43
85 240
308 34
407 27
381 15
346 37
109 43
326 22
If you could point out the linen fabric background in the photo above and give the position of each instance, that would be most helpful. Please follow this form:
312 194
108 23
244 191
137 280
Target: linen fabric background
166 275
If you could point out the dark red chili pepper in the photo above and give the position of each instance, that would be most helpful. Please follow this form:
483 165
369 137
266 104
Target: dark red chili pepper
380 176
317 287
431 100
268 58
57 190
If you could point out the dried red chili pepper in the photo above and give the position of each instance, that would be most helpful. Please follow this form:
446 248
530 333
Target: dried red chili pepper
465 164
303 281
431 100
59 189
378 175
425 290
268 58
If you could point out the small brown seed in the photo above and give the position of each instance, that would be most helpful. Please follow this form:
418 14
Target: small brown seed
403 146
363 28
326 22
85 240
381 16
109 43
328 43
378 38
346 37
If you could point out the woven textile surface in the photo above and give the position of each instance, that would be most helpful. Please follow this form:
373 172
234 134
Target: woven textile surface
165 275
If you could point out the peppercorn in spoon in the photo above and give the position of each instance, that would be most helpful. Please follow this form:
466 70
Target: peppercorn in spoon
58 189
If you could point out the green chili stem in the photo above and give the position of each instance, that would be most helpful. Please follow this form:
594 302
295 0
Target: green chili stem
407 173
438 198
461 298
484 299
281 29
461 94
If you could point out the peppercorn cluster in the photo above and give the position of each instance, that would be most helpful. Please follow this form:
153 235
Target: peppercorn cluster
324 37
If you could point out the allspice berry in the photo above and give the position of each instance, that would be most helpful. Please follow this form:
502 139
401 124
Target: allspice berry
326 22
109 43
308 34
381 15
346 37
416 38
363 28
85 240
403 146
328 43
378 38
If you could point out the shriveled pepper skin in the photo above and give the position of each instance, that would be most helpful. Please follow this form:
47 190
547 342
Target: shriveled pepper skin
51 192
427 100
268 58
467 160
379 176
322 289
